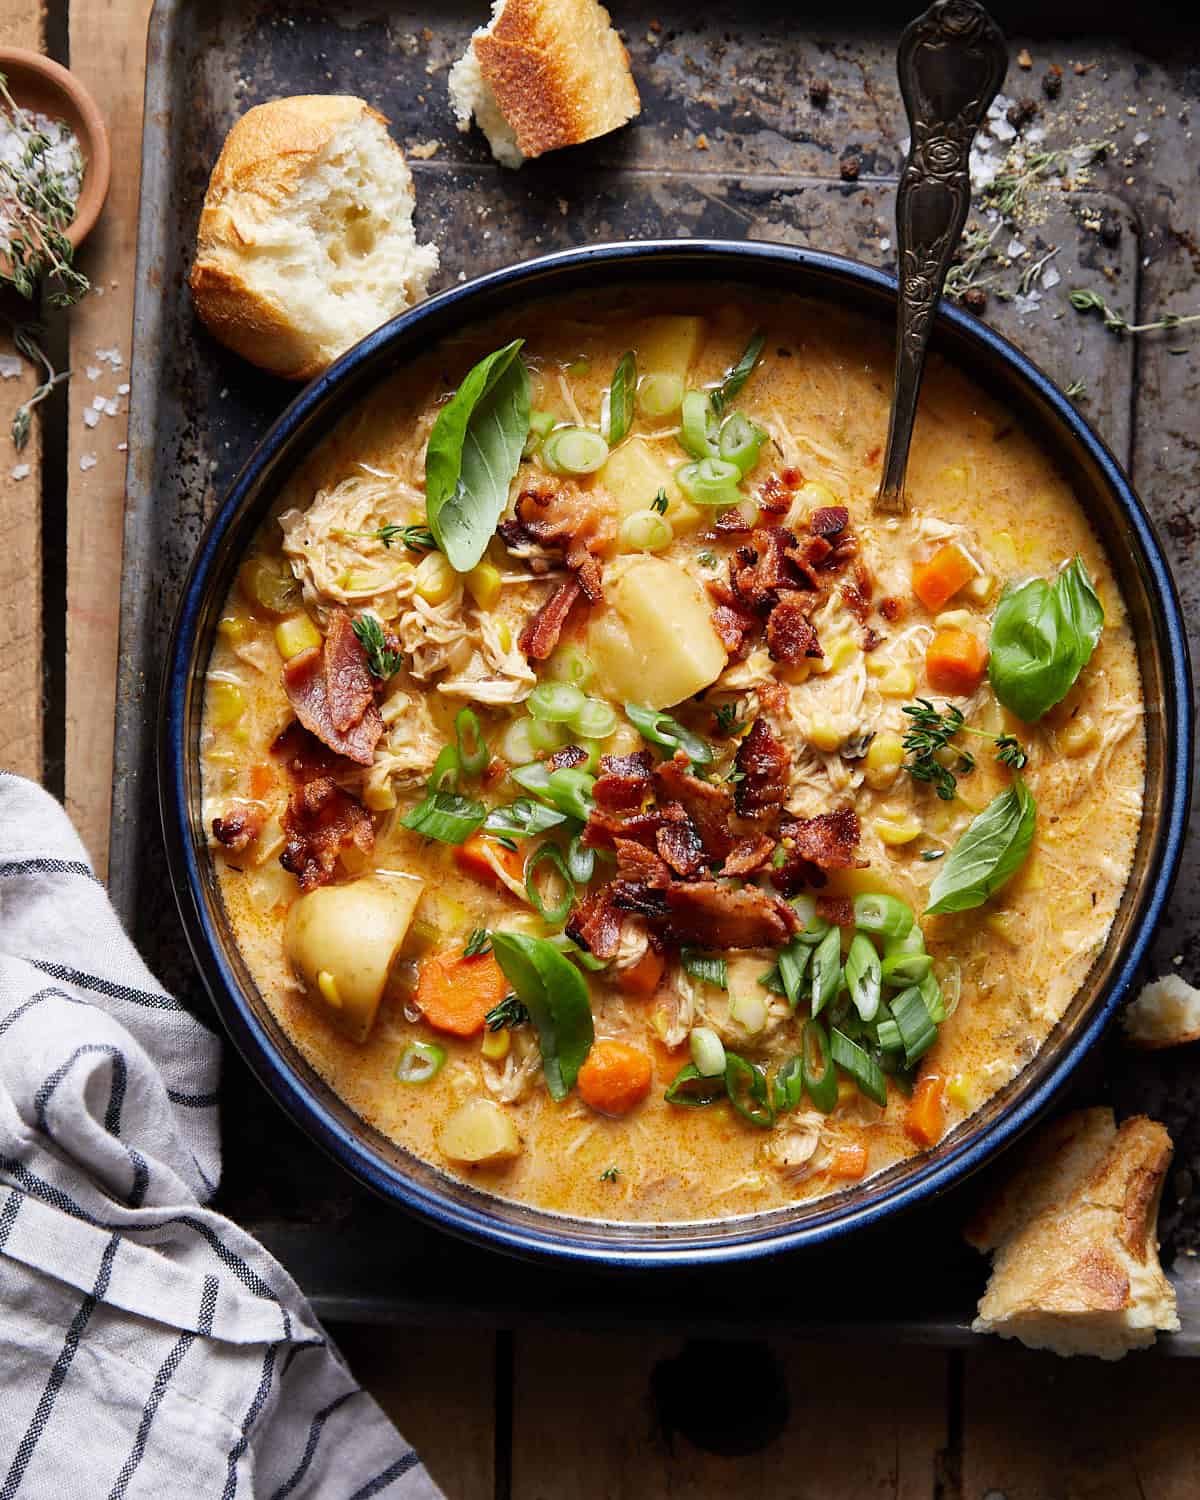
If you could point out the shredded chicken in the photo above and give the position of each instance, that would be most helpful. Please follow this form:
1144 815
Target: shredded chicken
512 1079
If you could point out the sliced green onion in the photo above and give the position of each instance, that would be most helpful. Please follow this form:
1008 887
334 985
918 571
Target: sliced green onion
468 733
826 970
574 450
446 816
737 377
705 967
787 1087
887 1034
557 702
708 1052
549 854
772 980
812 927
569 664
747 1090
692 1089
594 719
646 531
661 729
620 397
444 776
659 395
935 1001
863 1068
419 1062
878 912
863 974
917 1031
581 861
710 481
570 790
534 777
698 426
741 442
541 424
816 1065
522 818
515 745
546 735
593 749
903 969
912 942
793 964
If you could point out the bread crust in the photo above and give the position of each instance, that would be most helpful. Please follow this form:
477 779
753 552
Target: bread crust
1072 1232
263 161
559 72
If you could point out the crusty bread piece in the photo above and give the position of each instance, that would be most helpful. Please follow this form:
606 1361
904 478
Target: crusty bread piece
543 74
1075 1264
306 239
1165 1014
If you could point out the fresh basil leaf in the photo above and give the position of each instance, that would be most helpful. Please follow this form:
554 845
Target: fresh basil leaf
473 454
992 849
661 729
1042 637
620 398
555 994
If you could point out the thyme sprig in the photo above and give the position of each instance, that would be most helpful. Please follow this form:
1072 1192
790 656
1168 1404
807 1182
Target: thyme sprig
26 340
478 943
937 760
509 1012
382 662
36 209
415 538
1083 300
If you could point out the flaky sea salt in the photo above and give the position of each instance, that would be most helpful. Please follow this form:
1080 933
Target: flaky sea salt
1015 249
91 418
110 357
1141 138
123 388
21 471
111 407
93 372
1050 277
59 164
87 461
10 366
97 403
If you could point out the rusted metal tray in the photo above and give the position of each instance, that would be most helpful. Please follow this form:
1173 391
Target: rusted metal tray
729 144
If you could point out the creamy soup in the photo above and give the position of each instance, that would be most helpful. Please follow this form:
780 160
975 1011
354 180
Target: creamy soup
599 873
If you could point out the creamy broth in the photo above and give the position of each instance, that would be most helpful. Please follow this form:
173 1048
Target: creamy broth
820 393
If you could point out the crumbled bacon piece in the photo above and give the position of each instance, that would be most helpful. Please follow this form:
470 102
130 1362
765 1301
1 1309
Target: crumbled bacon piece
858 606
829 840
240 826
323 687
719 916
836 909
791 635
810 556
863 579
595 924
624 780
641 866
829 520
320 820
560 514
736 627
305 757
891 609
748 856
871 639
732 523
679 844
758 571
544 626
603 828
567 758
710 807
773 495
764 763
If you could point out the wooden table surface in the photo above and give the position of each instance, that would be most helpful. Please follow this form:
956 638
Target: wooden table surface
532 1416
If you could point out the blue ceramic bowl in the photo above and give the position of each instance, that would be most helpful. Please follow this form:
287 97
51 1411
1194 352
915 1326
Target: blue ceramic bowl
456 1206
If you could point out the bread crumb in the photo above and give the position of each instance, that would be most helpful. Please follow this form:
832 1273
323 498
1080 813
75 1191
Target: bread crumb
1023 58
701 142
1166 1013
423 150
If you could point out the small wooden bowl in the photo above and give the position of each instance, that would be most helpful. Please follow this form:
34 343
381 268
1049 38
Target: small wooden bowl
43 87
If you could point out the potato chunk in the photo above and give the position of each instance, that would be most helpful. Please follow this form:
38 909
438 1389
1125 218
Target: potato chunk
634 474
341 940
654 642
668 345
479 1133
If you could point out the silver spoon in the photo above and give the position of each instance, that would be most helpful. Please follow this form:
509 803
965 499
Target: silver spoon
951 63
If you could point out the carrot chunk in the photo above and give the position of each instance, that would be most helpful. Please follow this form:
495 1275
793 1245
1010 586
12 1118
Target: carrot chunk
479 855
938 580
955 661
643 977
923 1120
455 993
615 1078
848 1162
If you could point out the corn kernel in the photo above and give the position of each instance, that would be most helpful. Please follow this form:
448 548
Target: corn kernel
233 628
897 829
434 579
958 1091
960 618
504 636
840 652
1080 736
295 634
1006 927
955 475
980 589
1004 550
884 757
495 1044
483 584
227 703
816 496
823 735
379 796
898 683
327 985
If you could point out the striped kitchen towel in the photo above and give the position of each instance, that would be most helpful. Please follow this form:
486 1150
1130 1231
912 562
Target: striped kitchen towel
148 1347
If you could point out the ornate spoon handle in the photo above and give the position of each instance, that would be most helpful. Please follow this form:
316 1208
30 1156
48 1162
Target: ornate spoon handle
951 62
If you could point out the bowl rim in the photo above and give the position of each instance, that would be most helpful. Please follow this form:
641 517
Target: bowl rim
567 1240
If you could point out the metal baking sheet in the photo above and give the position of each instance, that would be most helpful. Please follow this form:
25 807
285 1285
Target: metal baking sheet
729 144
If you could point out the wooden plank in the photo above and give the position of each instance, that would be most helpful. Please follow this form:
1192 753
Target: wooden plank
108 47
21 25
439 1389
592 1419
1036 1426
